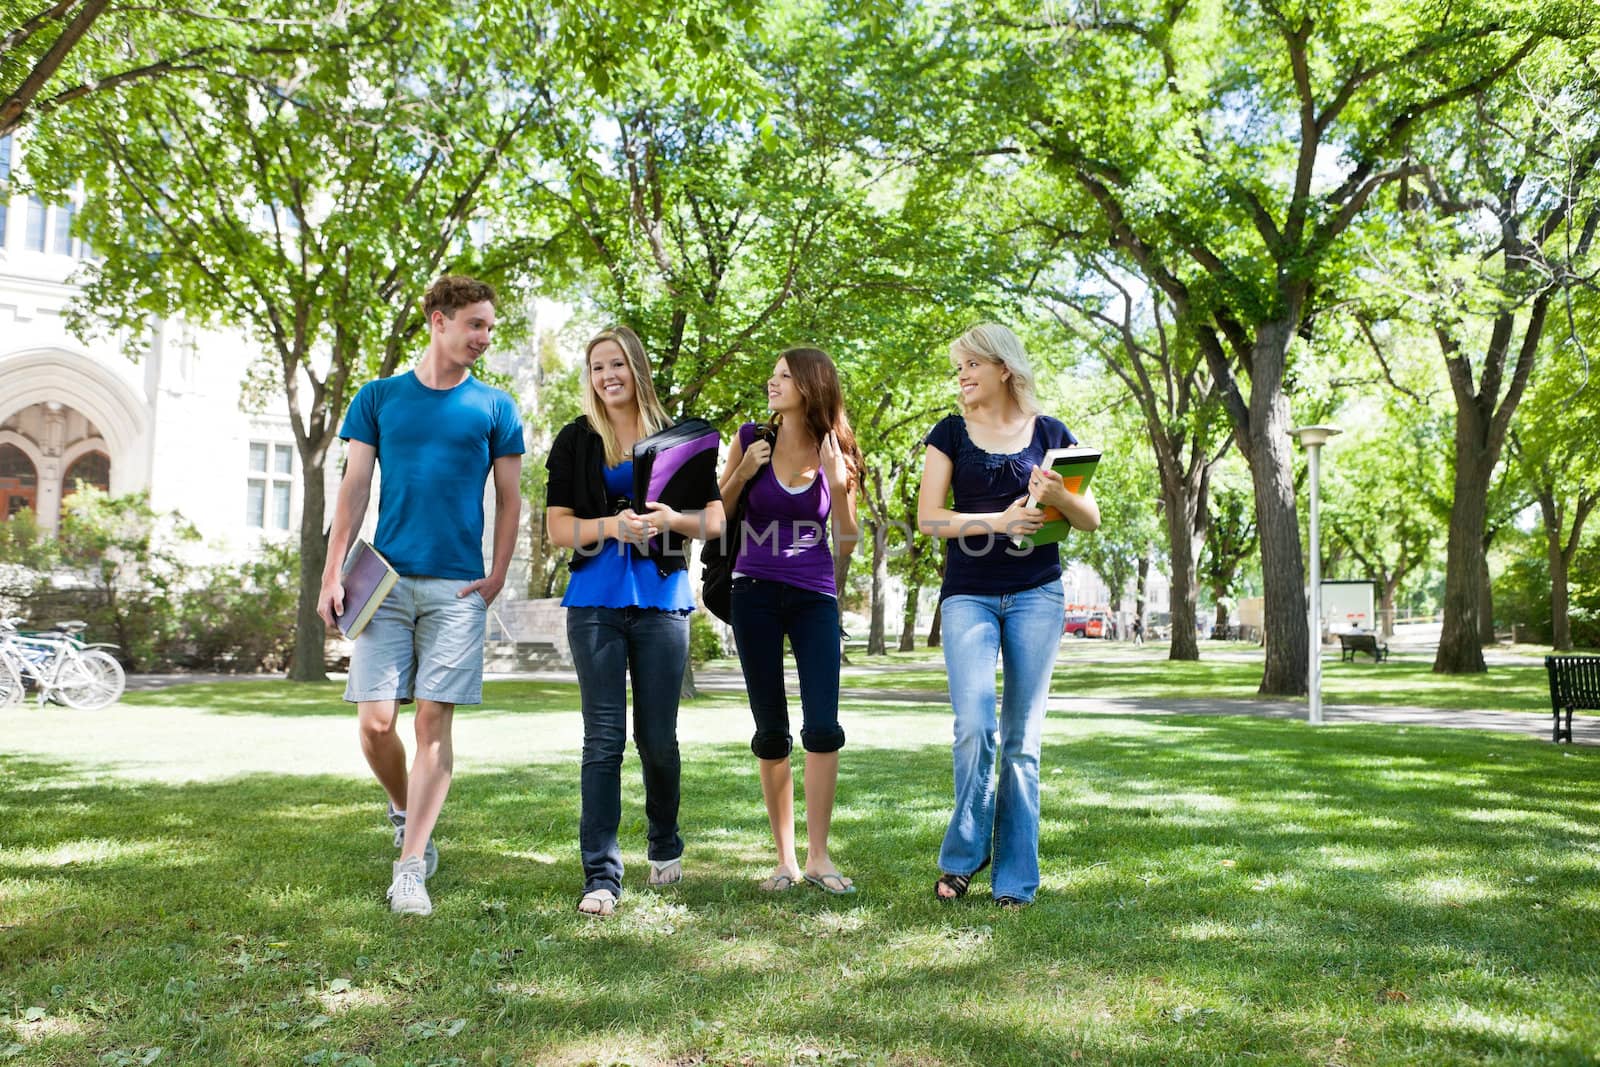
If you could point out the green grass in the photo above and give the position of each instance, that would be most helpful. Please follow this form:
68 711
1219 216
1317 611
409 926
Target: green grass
1216 890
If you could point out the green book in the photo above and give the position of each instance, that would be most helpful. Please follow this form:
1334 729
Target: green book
1075 464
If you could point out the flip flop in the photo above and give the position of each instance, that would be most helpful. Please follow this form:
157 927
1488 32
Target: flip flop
821 882
665 872
606 899
776 884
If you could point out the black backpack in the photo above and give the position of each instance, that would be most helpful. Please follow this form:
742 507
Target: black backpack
717 554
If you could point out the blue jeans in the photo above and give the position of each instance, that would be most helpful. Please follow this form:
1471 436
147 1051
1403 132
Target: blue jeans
999 819
610 645
764 612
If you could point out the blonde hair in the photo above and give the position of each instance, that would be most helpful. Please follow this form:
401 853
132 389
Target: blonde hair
652 416
993 343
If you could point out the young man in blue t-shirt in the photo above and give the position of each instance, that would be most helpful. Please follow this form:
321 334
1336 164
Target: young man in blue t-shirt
437 433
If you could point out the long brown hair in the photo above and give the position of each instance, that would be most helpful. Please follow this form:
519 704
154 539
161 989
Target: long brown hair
817 380
652 416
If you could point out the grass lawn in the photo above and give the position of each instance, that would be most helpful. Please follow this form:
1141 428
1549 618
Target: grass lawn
1216 890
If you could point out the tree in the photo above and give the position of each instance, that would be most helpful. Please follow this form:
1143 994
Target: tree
1503 226
1233 540
1226 152
1371 486
550 392
56 52
1161 368
1554 452
1125 485
312 205
307 209
726 226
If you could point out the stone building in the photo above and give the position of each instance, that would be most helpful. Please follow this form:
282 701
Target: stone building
160 412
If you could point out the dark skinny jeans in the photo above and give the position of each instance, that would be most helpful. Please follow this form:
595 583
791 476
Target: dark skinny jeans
610 646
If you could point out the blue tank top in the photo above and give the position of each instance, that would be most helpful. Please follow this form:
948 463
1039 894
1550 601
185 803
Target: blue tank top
618 577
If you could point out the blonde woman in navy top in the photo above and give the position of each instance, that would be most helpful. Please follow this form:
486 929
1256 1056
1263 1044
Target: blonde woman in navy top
628 605
1000 603
802 482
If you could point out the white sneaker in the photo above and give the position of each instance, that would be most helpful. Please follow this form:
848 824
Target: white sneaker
430 855
408 893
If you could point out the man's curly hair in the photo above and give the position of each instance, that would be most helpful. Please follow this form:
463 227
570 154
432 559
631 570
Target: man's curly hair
453 292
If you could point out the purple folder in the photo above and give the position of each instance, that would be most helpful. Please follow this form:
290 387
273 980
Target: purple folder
677 466
367 579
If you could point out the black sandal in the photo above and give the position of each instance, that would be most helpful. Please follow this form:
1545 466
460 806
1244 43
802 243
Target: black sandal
956 883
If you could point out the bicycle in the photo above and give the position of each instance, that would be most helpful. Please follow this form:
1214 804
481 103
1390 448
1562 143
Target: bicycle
59 665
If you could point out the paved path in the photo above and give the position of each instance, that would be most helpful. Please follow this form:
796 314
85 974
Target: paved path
194 743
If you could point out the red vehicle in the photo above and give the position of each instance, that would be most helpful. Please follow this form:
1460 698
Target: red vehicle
1085 625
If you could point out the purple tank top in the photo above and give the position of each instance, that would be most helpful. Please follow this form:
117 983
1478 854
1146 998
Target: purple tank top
786 534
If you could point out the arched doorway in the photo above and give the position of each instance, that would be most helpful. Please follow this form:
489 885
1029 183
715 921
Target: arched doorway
19 481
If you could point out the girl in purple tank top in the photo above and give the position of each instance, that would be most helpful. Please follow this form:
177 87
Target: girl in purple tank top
800 484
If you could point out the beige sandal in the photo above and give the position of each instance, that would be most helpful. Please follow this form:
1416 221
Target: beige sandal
665 872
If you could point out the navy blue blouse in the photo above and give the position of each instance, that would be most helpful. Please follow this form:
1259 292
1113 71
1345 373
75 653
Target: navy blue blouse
985 564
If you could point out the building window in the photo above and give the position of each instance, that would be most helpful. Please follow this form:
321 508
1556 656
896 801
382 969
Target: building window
61 244
5 194
36 228
271 483
91 468
19 481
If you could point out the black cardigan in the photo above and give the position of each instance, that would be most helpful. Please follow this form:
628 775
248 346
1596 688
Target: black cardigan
578 481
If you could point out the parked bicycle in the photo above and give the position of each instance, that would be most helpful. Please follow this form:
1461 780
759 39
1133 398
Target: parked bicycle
59 666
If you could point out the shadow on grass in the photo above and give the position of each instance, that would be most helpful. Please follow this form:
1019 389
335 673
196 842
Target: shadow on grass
1221 889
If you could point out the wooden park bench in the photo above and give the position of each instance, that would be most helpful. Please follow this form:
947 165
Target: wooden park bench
1350 644
1574 685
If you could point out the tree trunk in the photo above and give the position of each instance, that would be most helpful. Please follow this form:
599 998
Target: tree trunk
1485 598
1283 573
1560 623
933 627
310 632
1221 619
1391 584
877 645
1461 637
1181 506
687 689
1138 590
908 619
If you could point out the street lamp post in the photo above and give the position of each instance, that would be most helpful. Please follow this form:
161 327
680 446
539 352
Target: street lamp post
1312 438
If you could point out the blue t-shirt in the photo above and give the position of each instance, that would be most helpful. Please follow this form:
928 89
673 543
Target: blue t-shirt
985 482
435 450
618 577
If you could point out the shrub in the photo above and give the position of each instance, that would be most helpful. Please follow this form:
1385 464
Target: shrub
704 642
240 616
